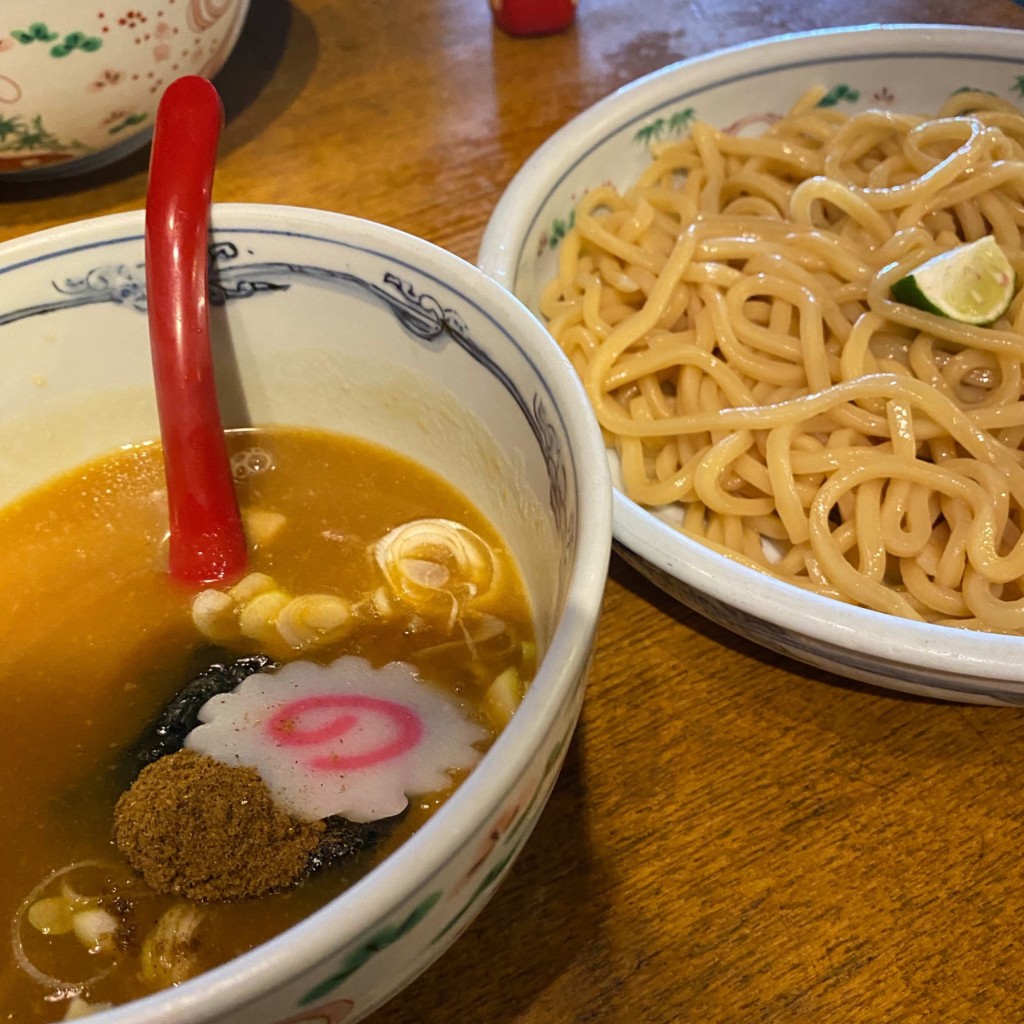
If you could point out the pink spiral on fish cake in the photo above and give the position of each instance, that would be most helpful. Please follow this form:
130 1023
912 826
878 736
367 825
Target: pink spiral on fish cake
309 722
343 739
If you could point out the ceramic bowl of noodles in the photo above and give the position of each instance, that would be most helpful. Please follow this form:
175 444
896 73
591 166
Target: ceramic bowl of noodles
80 82
797 454
278 797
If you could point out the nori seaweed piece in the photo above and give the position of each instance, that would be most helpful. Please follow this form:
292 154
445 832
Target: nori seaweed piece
166 735
344 838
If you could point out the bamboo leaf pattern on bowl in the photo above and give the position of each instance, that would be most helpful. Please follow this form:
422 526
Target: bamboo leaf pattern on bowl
40 32
36 32
127 122
369 948
76 41
675 124
839 94
17 137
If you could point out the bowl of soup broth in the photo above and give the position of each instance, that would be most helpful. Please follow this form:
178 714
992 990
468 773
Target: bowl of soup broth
279 797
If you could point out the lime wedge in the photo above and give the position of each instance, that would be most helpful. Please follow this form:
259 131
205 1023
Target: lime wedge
973 283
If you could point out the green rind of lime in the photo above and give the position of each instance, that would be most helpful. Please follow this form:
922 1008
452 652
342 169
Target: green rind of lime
972 284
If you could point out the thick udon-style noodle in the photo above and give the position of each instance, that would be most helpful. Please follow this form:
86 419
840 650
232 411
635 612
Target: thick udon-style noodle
731 318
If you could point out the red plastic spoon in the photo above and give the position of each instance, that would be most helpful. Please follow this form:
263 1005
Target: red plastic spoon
207 543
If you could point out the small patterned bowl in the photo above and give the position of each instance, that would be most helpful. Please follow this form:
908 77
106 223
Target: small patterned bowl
901 67
326 321
80 81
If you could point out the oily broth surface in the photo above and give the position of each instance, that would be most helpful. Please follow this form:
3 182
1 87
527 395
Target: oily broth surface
94 625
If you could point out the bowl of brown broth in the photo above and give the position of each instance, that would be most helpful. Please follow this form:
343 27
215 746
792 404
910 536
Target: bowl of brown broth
428 513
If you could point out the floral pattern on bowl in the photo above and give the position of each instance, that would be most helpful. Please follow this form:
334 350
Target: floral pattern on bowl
80 83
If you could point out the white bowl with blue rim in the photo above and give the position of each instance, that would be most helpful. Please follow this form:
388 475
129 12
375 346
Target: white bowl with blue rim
743 88
327 321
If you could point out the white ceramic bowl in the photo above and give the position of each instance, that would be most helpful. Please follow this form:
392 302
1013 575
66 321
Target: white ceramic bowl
910 67
80 80
324 320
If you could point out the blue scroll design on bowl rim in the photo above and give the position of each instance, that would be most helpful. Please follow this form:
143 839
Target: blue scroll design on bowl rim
420 315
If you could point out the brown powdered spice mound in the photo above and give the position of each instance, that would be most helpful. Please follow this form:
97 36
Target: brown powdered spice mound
194 827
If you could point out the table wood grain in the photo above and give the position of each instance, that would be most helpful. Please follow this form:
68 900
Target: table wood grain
734 838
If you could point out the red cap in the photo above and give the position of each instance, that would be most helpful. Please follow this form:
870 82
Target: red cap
533 17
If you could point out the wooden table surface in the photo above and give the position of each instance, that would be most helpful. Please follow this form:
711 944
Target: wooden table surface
734 838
